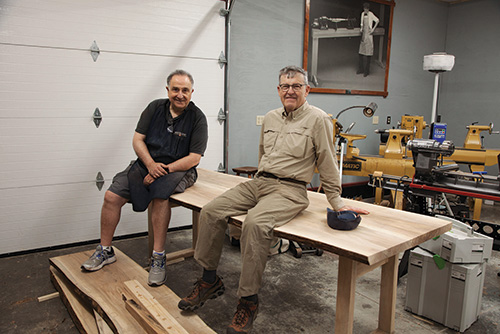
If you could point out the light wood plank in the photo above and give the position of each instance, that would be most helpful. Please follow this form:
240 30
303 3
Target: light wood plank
143 317
102 326
103 289
346 287
142 297
388 289
80 311
383 233
48 297
364 268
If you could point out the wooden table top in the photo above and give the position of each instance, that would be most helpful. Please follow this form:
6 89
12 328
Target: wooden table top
383 233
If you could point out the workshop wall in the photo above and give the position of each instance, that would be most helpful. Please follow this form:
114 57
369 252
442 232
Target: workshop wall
470 92
268 35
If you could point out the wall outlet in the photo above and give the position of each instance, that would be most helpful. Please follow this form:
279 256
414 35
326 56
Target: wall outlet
260 120
375 120
388 120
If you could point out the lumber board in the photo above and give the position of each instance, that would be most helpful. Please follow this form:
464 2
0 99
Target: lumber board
383 233
80 312
102 326
103 290
48 297
208 186
143 317
142 297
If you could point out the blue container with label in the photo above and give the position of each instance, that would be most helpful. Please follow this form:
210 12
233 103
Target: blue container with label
439 132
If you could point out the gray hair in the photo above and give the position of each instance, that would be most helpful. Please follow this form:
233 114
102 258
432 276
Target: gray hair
180 72
291 71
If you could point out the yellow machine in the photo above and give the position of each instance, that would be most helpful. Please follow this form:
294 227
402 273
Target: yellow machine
394 159
476 156
473 153
411 127
393 163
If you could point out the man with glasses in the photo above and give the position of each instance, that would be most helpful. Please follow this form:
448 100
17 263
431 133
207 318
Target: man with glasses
169 140
294 140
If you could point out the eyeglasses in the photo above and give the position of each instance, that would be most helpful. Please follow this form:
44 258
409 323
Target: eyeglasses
295 87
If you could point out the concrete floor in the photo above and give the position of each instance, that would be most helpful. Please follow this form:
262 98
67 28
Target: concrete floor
298 295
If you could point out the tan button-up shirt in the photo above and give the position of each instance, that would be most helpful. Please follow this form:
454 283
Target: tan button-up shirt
293 145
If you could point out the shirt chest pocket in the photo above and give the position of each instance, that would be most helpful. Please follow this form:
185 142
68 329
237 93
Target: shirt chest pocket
298 144
270 137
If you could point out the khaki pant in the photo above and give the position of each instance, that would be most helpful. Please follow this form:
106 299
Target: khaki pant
268 203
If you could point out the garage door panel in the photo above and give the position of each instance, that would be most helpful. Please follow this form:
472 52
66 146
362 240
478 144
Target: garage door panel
195 26
61 83
43 216
214 153
54 151
60 150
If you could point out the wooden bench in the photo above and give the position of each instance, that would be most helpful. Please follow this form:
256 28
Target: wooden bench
249 171
377 241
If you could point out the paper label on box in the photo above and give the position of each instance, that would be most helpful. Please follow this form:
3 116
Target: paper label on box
478 247
458 275
416 262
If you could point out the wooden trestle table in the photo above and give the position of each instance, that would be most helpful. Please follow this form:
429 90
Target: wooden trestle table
377 241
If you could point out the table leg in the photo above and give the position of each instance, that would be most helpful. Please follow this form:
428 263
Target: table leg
346 284
388 289
196 220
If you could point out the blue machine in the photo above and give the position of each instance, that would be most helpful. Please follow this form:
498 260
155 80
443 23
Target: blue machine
439 132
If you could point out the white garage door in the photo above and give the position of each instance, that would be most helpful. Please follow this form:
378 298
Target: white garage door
50 86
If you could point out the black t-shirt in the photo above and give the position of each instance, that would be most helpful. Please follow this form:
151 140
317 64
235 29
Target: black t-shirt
199 137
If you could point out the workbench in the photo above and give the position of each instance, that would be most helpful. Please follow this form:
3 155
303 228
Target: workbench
377 241
318 34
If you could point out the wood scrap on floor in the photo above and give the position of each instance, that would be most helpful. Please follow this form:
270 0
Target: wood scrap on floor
48 297
102 291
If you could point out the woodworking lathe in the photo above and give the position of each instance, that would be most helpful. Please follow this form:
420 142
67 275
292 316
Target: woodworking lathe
395 158
438 186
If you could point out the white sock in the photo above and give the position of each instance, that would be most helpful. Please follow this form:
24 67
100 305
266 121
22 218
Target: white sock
106 248
159 253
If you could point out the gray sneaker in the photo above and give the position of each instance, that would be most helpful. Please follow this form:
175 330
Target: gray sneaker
99 259
157 273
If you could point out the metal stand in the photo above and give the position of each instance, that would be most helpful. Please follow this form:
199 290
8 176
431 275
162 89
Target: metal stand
299 249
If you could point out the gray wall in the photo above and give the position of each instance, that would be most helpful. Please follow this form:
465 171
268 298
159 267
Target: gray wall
268 35
471 91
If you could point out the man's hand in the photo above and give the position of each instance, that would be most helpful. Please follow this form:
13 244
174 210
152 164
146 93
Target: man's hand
148 180
157 170
355 209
